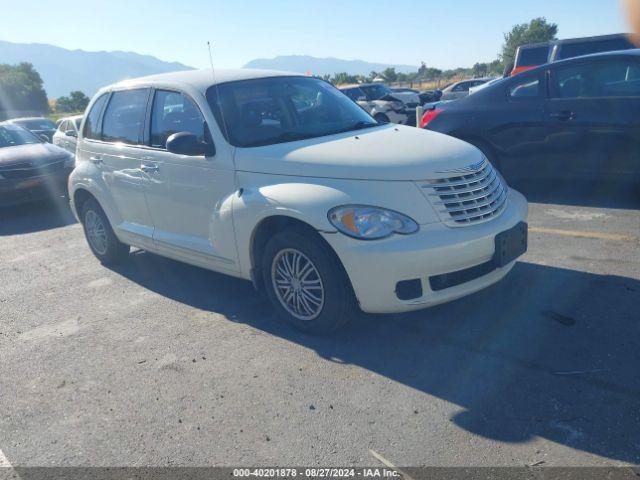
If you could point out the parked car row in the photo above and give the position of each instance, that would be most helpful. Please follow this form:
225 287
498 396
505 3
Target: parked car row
565 119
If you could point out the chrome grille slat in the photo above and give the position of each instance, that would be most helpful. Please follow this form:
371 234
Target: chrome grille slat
468 198
488 199
489 186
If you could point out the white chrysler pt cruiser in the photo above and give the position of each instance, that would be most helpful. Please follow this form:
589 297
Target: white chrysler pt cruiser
281 179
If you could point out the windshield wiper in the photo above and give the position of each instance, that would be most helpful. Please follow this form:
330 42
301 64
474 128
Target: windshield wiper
359 126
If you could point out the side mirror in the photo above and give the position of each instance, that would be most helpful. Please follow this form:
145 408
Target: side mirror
185 143
71 133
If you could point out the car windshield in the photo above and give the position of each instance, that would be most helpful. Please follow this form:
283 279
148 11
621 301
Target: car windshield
274 110
375 92
12 135
37 124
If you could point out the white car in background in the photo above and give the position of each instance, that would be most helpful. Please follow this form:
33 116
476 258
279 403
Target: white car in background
477 88
461 89
383 104
66 136
282 180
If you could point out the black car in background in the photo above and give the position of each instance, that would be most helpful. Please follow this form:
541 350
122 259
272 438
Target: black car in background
30 168
535 54
42 127
573 118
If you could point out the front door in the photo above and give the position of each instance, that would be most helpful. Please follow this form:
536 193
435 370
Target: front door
186 194
592 117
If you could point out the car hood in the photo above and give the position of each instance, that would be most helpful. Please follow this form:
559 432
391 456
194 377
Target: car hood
36 153
389 152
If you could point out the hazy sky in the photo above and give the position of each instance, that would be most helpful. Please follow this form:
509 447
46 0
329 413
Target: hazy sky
442 33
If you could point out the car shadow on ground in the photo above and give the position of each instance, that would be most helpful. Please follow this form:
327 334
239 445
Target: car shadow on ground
35 217
603 194
548 352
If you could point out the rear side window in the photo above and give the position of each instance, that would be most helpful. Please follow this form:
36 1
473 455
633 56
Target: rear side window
174 112
532 56
124 117
91 125
614 78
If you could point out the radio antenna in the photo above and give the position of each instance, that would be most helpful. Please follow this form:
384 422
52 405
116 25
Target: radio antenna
218 98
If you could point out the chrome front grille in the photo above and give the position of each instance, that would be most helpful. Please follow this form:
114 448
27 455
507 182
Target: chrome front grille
468 197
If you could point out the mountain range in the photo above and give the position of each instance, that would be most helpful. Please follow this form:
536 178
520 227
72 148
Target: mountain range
65 70
324 66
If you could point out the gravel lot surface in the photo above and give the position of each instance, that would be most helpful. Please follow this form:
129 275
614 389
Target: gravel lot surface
158 363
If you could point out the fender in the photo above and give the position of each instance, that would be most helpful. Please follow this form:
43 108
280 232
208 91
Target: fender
306 202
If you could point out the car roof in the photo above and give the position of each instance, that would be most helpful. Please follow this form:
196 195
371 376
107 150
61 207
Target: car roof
198 79
349 85
634 52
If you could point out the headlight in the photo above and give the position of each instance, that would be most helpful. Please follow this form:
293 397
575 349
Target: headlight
370 223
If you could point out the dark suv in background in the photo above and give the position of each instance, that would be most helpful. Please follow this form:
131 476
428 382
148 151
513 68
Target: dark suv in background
533 55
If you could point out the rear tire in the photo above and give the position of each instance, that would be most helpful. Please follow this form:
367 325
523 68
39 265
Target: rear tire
306 282
100 236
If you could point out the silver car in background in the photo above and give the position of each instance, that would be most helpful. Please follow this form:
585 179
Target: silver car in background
461 89
66 135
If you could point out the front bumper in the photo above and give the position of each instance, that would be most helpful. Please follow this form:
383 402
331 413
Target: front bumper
17 191
376 267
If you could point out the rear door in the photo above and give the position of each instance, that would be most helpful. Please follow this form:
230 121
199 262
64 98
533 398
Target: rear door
592 116
515 126
119 156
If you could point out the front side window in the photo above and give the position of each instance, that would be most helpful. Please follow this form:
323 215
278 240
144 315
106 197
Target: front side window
266 111
91 125
613 78
12 135
525 88
124 117
174 112
63 126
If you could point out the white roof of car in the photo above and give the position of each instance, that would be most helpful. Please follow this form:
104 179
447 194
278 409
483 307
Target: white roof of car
199 79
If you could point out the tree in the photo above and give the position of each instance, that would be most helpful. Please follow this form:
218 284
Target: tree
480 69
21 90
536 31
389 74
77 101
343 78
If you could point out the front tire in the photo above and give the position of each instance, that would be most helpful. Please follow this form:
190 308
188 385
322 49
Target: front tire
306 283
100 236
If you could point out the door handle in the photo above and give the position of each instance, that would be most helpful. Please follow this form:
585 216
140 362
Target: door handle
563 116
97 159
149 168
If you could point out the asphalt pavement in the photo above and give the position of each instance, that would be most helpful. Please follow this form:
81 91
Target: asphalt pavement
163 364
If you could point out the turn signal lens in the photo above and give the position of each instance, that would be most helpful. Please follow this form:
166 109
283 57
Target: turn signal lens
370 223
